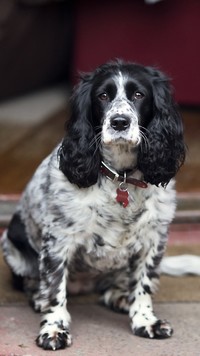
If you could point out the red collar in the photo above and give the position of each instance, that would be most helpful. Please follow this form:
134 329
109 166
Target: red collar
111 174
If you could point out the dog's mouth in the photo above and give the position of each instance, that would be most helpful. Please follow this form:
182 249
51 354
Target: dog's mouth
122 141
125 138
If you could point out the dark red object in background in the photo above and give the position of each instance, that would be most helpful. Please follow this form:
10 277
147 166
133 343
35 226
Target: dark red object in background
166 35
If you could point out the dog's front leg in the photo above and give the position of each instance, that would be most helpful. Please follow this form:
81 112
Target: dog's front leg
143 280
51 300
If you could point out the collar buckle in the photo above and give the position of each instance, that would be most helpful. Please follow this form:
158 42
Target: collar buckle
115 174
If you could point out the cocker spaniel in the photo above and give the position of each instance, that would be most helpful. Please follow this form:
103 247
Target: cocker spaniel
96 213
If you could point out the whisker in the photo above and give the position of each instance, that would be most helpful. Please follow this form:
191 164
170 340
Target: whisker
145 140
95 140
143 134
98 142
143 128
98 127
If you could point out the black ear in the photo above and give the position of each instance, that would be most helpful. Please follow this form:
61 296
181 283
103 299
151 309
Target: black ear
163 153
79 154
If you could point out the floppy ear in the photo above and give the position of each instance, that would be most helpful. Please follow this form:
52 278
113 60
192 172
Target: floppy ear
79 155
160 158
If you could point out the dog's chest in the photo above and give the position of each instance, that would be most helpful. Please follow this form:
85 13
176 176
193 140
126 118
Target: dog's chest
110 231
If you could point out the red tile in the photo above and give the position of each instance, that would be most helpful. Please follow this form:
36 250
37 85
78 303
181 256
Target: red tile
184 234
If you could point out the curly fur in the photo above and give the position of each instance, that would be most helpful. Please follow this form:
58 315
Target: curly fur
70 233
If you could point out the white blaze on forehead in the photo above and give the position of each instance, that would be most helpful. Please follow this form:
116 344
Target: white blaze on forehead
120 81
120 104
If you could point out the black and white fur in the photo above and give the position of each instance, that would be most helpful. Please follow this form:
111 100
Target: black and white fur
69 232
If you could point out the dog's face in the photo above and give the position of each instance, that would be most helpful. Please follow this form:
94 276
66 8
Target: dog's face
123 104
123 113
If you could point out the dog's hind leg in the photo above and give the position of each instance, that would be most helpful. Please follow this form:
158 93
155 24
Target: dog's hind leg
17 251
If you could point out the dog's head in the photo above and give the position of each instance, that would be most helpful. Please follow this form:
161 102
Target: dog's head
124 114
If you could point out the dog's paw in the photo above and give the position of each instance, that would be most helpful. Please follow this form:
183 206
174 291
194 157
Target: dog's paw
161 329
54 338
115 300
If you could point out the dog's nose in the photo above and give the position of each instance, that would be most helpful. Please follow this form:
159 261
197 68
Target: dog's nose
120 123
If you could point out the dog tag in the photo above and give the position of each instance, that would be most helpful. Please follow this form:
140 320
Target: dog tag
122 195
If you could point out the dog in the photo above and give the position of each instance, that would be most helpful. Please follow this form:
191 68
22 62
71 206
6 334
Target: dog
95 215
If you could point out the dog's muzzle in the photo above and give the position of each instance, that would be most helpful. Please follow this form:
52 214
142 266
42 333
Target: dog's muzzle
121 124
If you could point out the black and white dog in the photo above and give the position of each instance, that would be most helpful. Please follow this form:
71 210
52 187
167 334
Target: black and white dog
95 215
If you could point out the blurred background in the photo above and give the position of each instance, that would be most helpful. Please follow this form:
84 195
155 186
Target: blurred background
43 46
45 43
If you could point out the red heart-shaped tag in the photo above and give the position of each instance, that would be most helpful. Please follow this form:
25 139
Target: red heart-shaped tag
122 197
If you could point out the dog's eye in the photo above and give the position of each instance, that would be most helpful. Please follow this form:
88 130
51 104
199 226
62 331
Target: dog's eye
103 96
138 95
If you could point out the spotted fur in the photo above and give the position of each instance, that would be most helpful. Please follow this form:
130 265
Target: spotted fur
70 233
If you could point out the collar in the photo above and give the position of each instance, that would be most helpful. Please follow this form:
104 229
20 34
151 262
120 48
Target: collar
111 174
